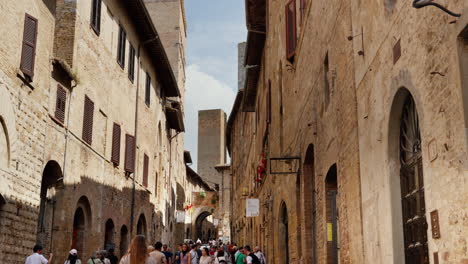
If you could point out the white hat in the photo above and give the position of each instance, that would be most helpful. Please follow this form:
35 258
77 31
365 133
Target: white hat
73 252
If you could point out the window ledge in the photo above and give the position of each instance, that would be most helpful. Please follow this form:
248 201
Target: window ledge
25 79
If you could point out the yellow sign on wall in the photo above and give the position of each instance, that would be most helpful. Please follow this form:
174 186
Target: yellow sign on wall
330 232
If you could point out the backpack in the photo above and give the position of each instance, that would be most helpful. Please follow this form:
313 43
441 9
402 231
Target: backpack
255 260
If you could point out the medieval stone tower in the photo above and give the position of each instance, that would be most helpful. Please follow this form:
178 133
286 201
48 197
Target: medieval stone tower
211 144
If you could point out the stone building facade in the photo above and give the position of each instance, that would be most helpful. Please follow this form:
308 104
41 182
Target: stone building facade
350 130
91 119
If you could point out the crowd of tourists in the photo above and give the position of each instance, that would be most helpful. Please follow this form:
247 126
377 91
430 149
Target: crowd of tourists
139 252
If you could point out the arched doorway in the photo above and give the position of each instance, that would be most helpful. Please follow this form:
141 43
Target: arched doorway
412 185
109 235
141 226
283 232
309 199
201 223
51 175
81 225
332 215
123 241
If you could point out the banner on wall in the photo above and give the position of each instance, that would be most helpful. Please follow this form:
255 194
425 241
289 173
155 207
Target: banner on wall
205 199
180 217
252 207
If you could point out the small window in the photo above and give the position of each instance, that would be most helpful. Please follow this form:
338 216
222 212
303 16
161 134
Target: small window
121 47
60 104
88 115
148 90
96 16
129 153
131 63
145 170
28 52
116 144
291 30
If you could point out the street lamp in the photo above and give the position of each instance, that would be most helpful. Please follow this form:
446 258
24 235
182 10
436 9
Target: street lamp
424 3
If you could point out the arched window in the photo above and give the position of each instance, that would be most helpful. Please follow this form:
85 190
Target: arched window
123 241
331 187
284 234
109 235
141 226
412 186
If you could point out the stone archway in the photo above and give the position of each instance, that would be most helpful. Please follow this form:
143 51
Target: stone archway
81 225
51 175
309 206
124 241
202 226
109 235
332 215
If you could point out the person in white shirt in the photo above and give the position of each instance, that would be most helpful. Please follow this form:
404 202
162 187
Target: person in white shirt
73 257
37 258
259 255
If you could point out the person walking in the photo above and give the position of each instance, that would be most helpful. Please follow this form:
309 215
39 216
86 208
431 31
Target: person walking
206 258
103 257
259 255
168 254
240 257
157 254
193 257
184 254
177 255
73 257
112 257
95 258
37 257
220 258
138 252
250 257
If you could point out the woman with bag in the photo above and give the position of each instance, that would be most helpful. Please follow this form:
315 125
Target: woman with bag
138 252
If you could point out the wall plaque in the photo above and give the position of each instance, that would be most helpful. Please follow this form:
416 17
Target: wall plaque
435 224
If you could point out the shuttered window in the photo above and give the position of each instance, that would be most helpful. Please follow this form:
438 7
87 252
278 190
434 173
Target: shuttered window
88 115
131 63
96 16
121 47
28 52
291 29
116 144
129 153
148 90
145 170
60 104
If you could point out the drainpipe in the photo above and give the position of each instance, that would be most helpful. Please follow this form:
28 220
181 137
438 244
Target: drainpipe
132 209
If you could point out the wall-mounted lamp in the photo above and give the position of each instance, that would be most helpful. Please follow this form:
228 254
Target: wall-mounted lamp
424 3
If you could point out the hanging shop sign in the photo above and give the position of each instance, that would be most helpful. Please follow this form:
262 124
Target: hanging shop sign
252 207
285 165
180 217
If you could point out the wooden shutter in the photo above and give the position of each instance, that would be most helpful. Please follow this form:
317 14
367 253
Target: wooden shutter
121 47
291 29
129 153
148 90
156 185
145 170
116 144
28 52
88 116
60 104
131 63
